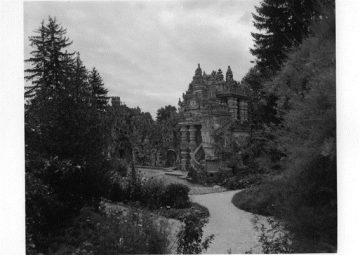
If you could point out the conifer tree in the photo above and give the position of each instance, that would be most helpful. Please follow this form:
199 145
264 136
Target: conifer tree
98 91
283 24
80 82
47 79
47 60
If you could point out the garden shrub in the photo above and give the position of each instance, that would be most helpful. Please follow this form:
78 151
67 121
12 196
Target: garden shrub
242 182
176 196
259 199
117 193
153 192
120 166
190 237
97 233
197 176
178 214
273 237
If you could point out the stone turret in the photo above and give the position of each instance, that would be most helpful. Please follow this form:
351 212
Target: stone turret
219 75
198 82
229 74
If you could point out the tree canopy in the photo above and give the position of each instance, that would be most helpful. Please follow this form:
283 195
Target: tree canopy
282 25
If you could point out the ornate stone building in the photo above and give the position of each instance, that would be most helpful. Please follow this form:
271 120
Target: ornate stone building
213 115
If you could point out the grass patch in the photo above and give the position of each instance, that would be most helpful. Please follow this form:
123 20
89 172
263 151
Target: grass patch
257 199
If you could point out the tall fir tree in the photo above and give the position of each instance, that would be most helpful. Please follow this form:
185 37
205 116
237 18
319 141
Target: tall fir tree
98 91
47 60
60 121
282 24
46 81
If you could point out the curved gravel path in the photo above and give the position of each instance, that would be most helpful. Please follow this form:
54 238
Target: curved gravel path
233 228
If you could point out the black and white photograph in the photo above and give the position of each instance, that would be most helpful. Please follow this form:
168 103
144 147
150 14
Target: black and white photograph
179 127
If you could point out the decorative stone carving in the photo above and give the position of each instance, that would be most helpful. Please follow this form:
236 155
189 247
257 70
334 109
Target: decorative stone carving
219 75
183 148
209 110
233 107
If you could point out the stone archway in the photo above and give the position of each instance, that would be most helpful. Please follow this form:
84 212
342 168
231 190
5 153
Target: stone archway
171 157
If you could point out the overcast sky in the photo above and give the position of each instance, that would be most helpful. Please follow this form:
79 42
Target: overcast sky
147 51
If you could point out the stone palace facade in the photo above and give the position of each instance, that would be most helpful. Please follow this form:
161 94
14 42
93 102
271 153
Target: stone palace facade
213 115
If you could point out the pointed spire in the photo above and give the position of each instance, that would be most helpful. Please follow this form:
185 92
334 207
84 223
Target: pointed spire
198 71
229 74
198 78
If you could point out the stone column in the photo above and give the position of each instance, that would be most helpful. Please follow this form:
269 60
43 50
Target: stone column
183 148
233 107
192 136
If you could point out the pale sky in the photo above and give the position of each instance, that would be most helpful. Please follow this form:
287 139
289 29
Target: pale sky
147 51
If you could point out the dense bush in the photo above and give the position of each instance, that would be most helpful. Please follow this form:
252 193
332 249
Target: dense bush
117 193
119 166
97 233
178 214
190 237
55 192
242 181
304 195
258 199
151 193
41 211
273 238
198 175
176 195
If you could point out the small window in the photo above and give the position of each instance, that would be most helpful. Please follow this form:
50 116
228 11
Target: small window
243 111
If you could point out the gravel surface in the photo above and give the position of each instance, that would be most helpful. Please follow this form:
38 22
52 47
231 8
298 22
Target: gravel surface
233 228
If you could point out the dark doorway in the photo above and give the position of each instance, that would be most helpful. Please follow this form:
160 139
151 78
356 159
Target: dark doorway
170 158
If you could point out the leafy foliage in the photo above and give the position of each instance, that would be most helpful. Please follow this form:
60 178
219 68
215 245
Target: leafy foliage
178 214
176 195
97 233
258 199
66 167
190 237
165 113
273 238
151 193
304 193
